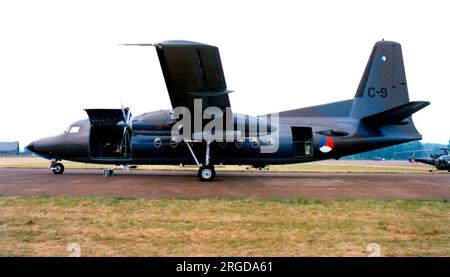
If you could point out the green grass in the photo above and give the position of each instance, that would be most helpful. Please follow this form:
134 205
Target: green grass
123 226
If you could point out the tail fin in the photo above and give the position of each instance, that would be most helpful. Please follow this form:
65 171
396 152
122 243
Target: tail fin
383 85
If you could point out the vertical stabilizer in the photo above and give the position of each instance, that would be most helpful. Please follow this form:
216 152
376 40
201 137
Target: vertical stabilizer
383 85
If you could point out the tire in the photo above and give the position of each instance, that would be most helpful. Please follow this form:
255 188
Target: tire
206 173
58 168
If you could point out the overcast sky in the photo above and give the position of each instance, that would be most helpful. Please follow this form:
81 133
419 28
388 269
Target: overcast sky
59 57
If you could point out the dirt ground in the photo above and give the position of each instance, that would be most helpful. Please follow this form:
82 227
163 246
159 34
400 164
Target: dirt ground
258 185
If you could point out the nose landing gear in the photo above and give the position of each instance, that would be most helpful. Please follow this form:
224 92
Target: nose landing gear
56 167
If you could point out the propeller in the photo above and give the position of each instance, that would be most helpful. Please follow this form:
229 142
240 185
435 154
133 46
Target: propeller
412 160
127 126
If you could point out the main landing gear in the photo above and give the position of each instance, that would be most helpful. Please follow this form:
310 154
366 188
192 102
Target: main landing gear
56 167
206 172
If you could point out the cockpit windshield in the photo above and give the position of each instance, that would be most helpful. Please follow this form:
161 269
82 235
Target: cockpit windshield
73 129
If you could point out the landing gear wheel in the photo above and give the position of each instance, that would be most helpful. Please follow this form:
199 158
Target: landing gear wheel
206 173
58 168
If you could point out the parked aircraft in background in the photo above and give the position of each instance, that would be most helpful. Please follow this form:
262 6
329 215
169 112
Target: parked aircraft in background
440 161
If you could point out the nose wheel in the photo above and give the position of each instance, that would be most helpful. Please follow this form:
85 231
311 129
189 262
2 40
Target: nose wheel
57 168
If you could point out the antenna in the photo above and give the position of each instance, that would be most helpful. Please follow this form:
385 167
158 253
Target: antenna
137 44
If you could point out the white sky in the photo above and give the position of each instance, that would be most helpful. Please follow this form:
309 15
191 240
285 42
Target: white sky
58 57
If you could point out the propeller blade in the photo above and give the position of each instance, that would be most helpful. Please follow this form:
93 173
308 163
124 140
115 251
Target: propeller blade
129 114
123 112
123 138
127 126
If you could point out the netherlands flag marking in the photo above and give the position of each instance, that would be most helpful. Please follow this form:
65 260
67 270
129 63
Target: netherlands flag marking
326 144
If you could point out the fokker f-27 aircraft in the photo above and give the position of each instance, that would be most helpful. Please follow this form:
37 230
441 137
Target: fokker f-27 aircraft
378 116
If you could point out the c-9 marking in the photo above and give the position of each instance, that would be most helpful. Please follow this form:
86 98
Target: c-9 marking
372 92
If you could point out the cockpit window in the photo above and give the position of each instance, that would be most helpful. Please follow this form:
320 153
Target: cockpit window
73 129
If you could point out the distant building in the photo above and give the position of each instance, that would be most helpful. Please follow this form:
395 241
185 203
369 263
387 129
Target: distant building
9 148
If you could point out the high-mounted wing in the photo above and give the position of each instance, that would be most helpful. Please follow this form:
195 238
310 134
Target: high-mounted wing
193 70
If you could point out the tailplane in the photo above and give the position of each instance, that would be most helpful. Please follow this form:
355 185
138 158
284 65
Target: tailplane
397 115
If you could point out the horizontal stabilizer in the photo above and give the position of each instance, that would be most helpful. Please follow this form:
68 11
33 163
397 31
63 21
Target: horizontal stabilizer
397 114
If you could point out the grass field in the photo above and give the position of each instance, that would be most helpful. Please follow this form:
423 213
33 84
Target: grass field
322 166
43 226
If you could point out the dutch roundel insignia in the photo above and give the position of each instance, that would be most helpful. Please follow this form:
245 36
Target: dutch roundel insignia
326 144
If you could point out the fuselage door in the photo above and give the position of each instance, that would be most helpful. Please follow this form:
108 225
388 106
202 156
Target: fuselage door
302 141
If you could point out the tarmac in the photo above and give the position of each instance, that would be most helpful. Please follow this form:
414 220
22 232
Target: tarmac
257 185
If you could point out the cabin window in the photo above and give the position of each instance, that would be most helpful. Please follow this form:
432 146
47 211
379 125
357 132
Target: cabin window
157 142
239 144
255 143
173 143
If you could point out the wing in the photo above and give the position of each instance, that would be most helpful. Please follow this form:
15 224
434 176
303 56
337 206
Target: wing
193 70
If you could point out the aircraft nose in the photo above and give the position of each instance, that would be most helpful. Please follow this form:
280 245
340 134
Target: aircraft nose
41 146
50 147
30 147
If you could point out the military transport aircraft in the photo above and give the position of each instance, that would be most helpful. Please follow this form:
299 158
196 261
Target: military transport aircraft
378 116
440 161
